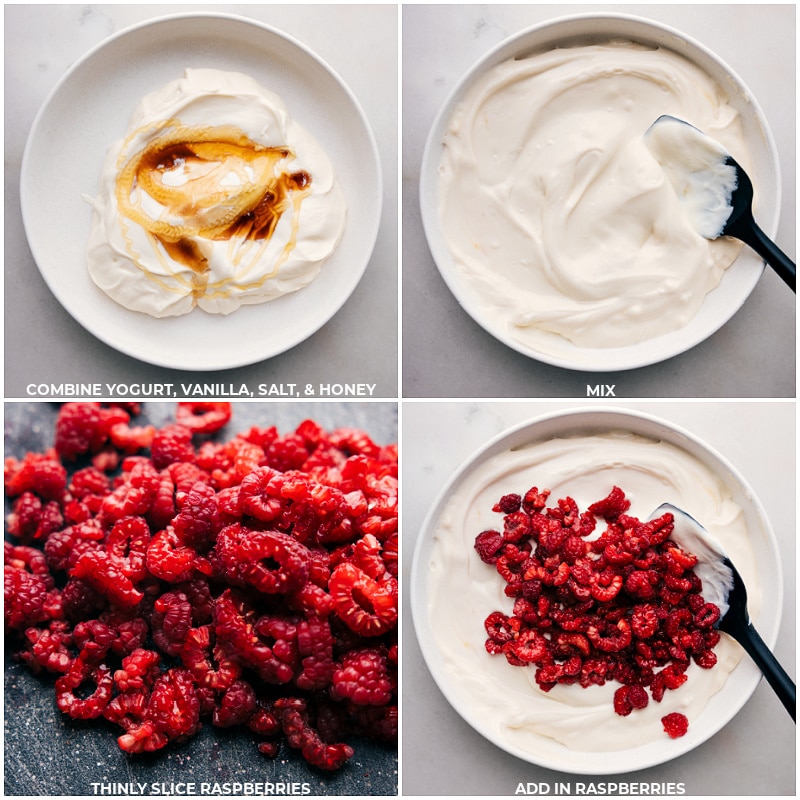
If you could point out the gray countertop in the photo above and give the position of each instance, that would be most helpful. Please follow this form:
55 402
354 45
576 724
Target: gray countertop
447 354
42 341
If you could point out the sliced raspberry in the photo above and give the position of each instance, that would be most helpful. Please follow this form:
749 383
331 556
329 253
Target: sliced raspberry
315 648
168 559
203 417
270 561
131 440
139 670
171 621
80 673
78 430
171 445
364 605
611 506
127 543
174 707
48 648
105 575
197 523
236 706
293 716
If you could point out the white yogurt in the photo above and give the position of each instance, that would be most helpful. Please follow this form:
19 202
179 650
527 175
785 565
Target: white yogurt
206 155
555 211
463 590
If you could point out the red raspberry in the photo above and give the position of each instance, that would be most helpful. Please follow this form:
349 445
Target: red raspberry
611 506
364 605
79 430
628 698
105 574
292 714
80 673
174 706
197 523
362 678
236 705
171 445
675 724
203 417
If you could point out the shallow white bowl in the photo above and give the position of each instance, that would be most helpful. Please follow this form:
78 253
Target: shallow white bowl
765 571
739 279
89 109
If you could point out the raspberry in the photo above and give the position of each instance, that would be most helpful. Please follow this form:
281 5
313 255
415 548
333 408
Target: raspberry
127 544
628 698
293 717
79 673
287 452
41 473
171 621
270 561
171 445
168 559
488 545
675 724
174 707
364 605
362 678
315 648
83 428
236 706
611 506
105 574
49 648
203 417
139 670
508 504
197 523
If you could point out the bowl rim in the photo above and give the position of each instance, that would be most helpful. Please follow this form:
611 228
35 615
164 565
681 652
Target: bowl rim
615 359
591 418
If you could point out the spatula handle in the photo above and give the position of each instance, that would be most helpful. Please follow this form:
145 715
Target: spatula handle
770 252
775 674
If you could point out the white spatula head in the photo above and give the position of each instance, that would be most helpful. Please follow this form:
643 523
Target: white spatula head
712 568
699 170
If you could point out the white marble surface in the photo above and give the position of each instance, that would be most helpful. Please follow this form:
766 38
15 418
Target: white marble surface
44 344
446 354
753 755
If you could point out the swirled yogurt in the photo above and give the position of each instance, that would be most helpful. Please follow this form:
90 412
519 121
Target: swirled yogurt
214 198
558 217
506 699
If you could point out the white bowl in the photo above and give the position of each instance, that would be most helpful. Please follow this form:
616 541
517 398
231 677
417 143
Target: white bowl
739 279
89 109
763 575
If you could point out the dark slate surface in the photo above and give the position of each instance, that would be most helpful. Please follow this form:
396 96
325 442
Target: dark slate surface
46 753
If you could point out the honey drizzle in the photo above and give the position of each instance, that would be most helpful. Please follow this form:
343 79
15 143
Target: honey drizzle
244 214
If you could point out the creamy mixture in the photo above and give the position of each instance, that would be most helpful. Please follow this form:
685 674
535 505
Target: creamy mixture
506 699
215 198
561 222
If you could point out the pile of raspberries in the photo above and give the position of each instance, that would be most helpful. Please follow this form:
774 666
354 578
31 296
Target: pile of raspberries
623 606
167 578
